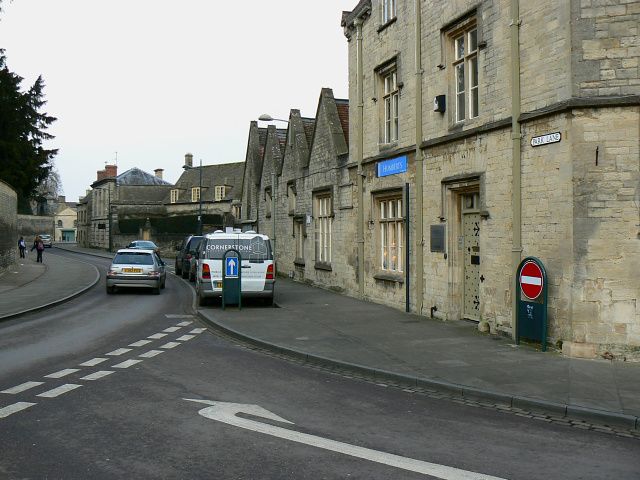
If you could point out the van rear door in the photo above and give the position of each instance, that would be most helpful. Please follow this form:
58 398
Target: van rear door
256 258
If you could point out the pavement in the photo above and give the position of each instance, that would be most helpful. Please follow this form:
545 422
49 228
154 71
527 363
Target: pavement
319 326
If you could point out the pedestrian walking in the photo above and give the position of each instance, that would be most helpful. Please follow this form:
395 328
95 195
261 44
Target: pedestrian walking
38 245
22 246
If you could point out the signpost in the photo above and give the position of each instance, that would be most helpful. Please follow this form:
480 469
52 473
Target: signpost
531 288
231 278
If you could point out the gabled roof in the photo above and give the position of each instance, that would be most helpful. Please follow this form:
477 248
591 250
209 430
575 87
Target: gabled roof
221 174
309 124
135 176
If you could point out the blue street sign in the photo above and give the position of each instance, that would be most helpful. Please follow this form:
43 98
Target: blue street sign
393 166
231 267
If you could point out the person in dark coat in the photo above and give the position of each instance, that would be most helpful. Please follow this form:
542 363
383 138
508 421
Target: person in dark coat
22 246
38 245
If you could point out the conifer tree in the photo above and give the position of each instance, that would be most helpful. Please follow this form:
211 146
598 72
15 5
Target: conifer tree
24 162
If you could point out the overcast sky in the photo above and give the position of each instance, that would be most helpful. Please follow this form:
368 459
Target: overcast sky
154 79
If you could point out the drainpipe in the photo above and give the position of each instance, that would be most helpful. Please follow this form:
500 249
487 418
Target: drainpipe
359 154
516 135
273 213
419 165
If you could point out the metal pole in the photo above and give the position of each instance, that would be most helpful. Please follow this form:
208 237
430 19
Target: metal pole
516 173
419 253
200 198
273 213
407 307
359 155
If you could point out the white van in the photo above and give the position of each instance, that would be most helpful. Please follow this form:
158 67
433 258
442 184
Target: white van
258 269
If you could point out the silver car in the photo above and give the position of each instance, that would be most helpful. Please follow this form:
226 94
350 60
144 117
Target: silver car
136 268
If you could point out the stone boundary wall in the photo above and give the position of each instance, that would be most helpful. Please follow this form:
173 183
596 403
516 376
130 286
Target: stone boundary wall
8 220
31 225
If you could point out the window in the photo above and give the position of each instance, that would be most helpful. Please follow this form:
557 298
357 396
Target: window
291 198
75 223
298 232
237 211
220 192
391 234
466 74
388 10
195 194
60 223
267 202
324 218
174 196
391 97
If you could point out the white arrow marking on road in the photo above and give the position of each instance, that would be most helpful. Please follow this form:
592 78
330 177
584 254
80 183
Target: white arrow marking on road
227 413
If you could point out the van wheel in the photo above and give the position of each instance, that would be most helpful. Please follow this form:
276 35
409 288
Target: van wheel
202 301
111 290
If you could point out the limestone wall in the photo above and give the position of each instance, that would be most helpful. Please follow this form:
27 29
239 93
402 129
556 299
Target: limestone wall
8 225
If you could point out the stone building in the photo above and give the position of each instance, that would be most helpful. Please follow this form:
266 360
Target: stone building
521 123
65 221
138 205
217 188
479 134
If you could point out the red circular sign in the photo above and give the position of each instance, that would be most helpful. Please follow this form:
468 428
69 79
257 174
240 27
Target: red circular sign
531 280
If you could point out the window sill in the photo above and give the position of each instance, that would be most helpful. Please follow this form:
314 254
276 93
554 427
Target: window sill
384 26
387 146
389 277
323 266
299 262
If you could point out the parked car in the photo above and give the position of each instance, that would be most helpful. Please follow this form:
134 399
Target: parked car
185 258
138 268
145 244
46 240
258 269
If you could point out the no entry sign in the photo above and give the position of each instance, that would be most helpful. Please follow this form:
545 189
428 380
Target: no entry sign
531 280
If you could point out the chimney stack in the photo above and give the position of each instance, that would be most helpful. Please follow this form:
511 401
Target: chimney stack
188 160
158 172
111 171
101 175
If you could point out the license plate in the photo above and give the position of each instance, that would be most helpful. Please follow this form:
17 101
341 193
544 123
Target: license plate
132 270
218 284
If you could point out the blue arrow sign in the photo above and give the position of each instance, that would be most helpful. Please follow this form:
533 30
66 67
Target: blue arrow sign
231 267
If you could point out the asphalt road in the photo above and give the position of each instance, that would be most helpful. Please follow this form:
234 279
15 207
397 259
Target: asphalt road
67 413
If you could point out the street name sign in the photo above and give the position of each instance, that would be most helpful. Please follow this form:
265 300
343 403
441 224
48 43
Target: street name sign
546 139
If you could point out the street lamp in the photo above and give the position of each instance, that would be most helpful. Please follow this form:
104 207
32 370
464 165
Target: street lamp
189 167
265 117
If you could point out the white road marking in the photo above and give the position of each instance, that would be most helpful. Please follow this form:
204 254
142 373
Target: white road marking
157 336
183 324
171 329
62 373
174 315
93 362
170 345
59 390
21 388
227 413
98 375
118 352
126 364
140 343
151 353
16 407
184 338
197 330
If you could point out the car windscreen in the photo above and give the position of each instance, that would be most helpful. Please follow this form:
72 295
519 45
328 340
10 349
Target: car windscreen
252 249
132 258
